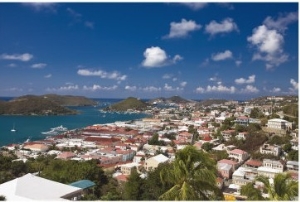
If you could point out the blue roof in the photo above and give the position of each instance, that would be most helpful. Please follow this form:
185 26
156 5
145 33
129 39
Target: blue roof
83 184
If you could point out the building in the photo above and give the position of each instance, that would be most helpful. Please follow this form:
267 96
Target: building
270 168
279 124
270 149
154 161
292 165
238 155
127 168
243 175
31 187
226 168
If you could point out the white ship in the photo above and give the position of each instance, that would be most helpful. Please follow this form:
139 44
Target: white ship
59 128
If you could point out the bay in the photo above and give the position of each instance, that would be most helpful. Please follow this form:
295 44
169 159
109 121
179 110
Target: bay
33 126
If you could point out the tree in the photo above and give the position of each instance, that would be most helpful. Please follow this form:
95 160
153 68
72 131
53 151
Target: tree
2 198
192 176
207 146
133 187
282 188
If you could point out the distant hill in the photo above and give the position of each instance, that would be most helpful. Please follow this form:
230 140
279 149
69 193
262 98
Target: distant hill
65 100
33 105
211 102
174 99
129 103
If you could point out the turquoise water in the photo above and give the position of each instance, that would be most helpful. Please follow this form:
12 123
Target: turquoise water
32 126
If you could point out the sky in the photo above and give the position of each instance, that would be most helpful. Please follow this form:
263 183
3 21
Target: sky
233 51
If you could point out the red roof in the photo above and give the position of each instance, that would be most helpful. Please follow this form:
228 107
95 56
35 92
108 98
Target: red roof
237 151
255 163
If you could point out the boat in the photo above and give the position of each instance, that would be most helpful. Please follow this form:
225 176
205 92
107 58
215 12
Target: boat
13 129
51 132
59 128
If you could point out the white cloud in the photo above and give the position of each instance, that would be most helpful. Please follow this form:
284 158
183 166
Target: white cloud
42 6
268 39
151 89
131 88
250 89
89 24
200 90
213 79
167 87
12 65
183 84
167 76
157 57
21 57
64 88
98 87
251 79
102 74
275 90
182 29
174 79
238 62
221 89
294 84
48 76
74 14
282 21
226 26
222 56
195 5
39 65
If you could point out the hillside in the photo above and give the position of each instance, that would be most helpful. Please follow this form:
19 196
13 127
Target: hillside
127 104
174 99
211 102
33 105
64 100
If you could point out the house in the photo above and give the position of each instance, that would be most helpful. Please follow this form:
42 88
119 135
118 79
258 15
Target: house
154 161
242 135
270 149
251 163
238 155
227 134
32 187
127 168
86 185
66 155
292 165
37 147
280 124
242 120
226 168
243 175
270 168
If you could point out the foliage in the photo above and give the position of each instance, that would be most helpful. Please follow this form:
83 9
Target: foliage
170 136
256 113
2 198
154 140
207 146
260 156
133 187
219 155
129 103
282 188
192 176
279 140
293 155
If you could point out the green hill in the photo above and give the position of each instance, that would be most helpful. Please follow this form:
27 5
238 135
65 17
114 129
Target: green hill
127 104
33 105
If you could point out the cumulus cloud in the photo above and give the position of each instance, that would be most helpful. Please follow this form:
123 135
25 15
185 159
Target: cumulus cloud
249 89
131 88
89 24
64 88
96 87
219 88
151 89
39 65
251 79
195 5
268 39
167 76
42 6
200 90
183 84
238 62
103 74
222 56
167 87
294 84
48 76
21 57
182 29
226 26
275 90
157 57
282 21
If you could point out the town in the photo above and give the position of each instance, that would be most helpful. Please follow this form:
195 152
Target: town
245 140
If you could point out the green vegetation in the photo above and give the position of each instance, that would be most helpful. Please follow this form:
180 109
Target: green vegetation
192 176
129 103
282 189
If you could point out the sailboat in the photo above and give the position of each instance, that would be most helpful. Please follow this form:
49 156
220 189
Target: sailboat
13 129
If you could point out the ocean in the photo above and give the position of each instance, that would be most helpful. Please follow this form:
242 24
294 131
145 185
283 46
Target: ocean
32 126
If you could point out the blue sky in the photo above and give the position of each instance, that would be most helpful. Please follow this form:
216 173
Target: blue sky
149 50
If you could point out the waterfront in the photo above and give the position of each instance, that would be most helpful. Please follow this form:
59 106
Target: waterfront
32 126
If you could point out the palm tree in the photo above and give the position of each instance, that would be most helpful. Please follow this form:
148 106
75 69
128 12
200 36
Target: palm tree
282 188
192 177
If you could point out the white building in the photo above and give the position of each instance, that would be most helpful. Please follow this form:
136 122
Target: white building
270 149
154 161
31 187
280 124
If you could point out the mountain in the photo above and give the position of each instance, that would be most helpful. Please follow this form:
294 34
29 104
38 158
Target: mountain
174 99
33 105
130 103
211 102
66 100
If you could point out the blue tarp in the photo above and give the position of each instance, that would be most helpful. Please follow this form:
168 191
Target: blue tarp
83 184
